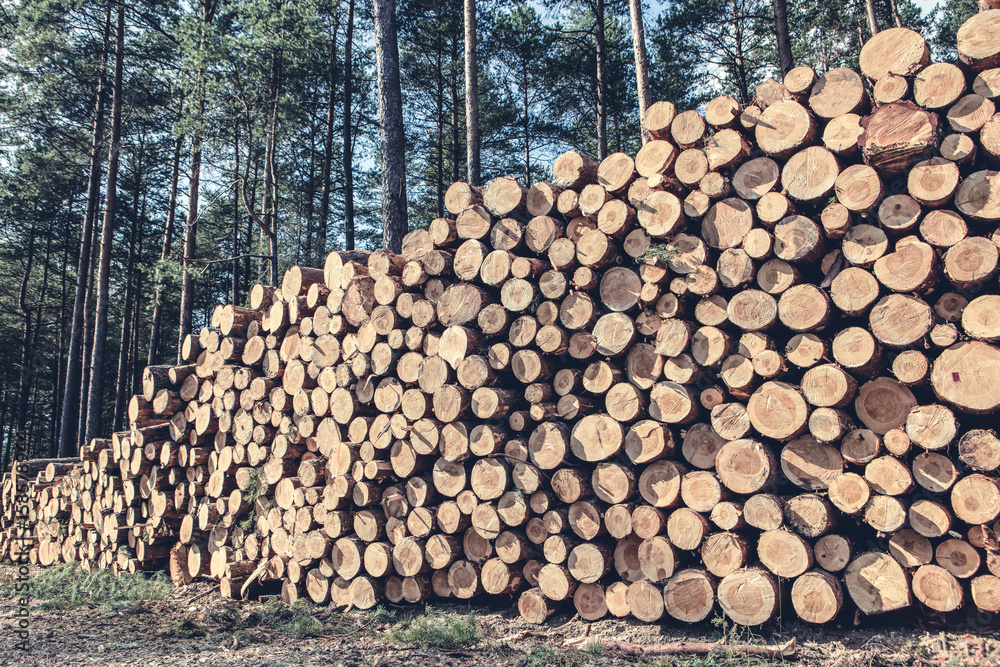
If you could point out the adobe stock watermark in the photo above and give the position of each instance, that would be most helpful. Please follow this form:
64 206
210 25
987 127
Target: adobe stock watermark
22 547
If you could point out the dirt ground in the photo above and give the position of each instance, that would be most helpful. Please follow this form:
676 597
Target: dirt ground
195 626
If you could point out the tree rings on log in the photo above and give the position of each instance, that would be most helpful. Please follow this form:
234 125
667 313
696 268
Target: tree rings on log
884 404
877 583
749 597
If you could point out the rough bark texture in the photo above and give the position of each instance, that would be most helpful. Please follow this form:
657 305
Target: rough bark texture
95 395
472 136
69 432
390 113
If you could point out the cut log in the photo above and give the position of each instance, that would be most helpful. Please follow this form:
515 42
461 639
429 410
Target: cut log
964 376
897 136
859 188
971 113
777 410
572 170
645 601
841 134
975 499
784 128
749 597
504 196
817 597
877 584
894 51
937 588
938 86
839 91
745 466
460 196
977 45
979 196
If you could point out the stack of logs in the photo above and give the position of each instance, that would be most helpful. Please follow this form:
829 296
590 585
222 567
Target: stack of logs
754 361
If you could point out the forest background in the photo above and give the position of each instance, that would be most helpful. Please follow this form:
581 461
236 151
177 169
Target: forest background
162 157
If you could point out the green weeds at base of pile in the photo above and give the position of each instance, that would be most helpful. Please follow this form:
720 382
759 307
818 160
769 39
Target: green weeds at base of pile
296 620
65 586
440 630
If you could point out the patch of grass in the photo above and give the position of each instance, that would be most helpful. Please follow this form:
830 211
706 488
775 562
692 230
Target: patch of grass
594 648
732 636
226 619
245 637
183 628
65 586
439 630
538 656
541 655
297 620
378 615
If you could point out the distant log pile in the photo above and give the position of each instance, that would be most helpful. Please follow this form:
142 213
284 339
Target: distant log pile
754 361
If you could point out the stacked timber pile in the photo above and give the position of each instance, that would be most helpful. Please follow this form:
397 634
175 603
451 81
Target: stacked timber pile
756 360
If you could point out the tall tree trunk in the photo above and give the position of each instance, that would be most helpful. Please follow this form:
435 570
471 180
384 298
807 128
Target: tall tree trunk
872 16
237 221
781 33
439 209
135 360
324 204
641 65
390 112
39 315
456 156
24 381
96 391
125 341
895 13
348 121
194 185
88 345
272 163
527 122
602 84
153 356
742 84
269 202
57 379
135 363
72 388
190 248
251 225
307 207
472 137
5 442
